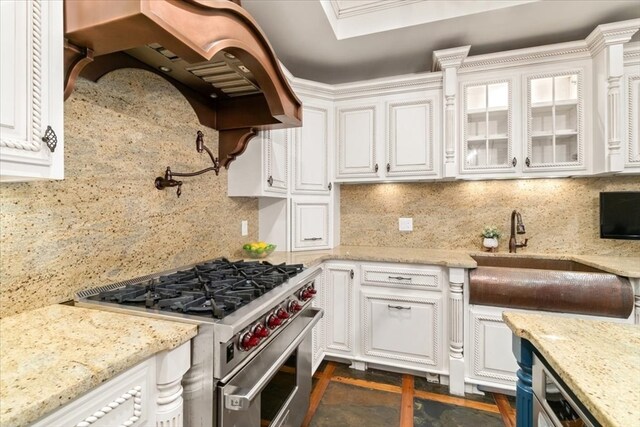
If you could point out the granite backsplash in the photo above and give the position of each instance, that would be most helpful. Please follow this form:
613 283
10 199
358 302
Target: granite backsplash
560 215
105 222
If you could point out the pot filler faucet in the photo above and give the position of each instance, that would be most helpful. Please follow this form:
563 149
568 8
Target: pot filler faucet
516 229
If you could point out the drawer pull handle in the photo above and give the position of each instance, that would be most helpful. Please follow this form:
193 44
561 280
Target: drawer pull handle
398 307
400 278
312 238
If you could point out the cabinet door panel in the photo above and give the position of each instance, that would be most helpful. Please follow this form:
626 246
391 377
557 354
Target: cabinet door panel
487 128
357 142
310 224
276 146
31 89
555 135
402 328
410 137
339 303
311 153
490 356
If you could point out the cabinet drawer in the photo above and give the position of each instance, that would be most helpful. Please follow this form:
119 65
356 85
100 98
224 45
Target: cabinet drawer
426 278
310 224
123 400
404 329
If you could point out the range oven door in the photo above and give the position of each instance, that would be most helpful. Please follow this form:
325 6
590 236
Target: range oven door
274 387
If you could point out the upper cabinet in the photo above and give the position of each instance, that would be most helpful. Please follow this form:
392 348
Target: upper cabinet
311 150
393 137
555 131
528 121
487 131
263 169
31 77
412 137
357 156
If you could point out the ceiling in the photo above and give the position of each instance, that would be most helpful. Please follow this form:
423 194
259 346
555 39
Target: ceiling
337 41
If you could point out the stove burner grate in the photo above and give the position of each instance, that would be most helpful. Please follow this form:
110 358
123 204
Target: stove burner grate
213 289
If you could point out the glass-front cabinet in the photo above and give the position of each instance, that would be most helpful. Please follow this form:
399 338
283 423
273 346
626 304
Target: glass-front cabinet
487 144
554 121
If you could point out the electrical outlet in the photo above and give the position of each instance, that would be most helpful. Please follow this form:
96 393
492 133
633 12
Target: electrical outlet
245 228
405 224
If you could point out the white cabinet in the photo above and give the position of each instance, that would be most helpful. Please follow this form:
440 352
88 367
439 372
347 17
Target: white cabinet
311 223
632 151
357 140
339 309
263 169
31 78
525 122
395 137
487 128
489 356
555 121
402 328
413 136
311 150
148 394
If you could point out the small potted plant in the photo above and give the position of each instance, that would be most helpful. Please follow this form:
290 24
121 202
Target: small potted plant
491 236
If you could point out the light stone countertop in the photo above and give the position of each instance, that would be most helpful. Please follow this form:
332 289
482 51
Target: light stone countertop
599 361
52 355
623 266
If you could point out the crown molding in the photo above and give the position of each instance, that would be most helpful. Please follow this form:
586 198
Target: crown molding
447 58
611 34
528 56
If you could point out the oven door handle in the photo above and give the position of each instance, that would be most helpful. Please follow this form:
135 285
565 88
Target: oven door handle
240 398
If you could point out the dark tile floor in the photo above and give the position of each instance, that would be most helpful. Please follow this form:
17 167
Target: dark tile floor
373 398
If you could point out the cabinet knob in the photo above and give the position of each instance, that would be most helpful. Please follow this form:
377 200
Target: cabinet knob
50 138
330 186
270 181
376 167
514 162
351 274
388 167
527 162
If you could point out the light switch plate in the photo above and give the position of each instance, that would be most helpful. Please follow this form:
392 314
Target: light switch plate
405 224
245 228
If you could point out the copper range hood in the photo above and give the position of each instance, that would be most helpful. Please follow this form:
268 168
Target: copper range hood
211 50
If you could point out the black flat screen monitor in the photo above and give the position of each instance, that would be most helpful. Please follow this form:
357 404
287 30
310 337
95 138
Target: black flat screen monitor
620 215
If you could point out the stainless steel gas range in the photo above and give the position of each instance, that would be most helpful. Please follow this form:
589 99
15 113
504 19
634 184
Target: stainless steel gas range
251 359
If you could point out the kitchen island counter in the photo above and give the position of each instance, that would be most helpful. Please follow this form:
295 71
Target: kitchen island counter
598 361
52 355
622 266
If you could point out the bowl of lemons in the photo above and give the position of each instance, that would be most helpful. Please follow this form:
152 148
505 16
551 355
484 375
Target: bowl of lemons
258 249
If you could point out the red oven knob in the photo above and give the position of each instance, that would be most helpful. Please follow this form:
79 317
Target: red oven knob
260 330
304 294
294 307
282 314
248 341
273 321
312 291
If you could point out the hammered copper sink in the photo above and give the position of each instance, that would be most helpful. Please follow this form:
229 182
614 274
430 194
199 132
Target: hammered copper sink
549 285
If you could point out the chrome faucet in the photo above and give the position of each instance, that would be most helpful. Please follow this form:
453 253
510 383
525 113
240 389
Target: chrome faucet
516 229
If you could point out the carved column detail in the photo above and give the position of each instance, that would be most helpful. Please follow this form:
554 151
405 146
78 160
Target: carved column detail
448 61
613 110
456 320
170 368
456 330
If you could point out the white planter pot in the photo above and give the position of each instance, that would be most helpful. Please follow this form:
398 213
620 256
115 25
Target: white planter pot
490 242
